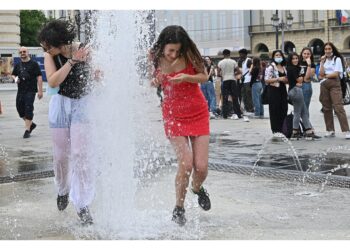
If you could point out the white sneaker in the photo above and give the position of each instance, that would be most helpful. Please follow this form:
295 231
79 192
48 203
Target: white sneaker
347 135
330 134
211 115
234 117
246 119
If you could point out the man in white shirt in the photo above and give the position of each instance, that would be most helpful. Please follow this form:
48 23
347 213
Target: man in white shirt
227 68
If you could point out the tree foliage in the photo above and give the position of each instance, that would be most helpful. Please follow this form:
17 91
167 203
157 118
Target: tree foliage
31 23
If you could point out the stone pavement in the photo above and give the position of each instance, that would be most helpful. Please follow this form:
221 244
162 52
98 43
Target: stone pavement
244 207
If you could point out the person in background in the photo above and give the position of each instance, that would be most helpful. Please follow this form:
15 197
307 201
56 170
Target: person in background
27 75
208 88
228 68
246 90
276 79
331 69
256 72
307 61
295 93
178 69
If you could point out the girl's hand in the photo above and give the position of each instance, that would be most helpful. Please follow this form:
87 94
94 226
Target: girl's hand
308 61
80 55
155 82
323 58
178 78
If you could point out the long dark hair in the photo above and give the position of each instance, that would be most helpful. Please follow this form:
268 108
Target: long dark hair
57 33
283 63
335 52
290 59
256 63
176 34
301 54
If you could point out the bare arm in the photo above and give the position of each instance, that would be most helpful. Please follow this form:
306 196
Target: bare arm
197 78
55 77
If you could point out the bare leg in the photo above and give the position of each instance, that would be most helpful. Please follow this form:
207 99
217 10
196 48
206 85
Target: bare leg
28 123
185 165
200 146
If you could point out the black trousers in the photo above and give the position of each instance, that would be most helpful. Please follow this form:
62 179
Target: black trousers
278 107
25 104
230 88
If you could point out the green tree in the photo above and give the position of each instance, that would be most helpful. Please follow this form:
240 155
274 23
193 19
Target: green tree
31 22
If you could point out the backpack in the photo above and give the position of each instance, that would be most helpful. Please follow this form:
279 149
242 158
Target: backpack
287 127
344 83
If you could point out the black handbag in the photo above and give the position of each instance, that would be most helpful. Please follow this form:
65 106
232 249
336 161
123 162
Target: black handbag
264 95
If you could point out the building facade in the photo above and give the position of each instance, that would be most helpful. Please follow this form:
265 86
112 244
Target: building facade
9 28
211 30
310 28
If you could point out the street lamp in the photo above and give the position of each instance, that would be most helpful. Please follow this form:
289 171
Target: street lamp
275 20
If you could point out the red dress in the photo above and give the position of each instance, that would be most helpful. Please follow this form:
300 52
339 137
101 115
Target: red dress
185 110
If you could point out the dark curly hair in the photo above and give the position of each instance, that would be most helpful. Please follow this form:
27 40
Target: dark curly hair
56 33
176 34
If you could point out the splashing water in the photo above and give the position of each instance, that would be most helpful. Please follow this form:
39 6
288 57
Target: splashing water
124 144
317 161
278 137
344 166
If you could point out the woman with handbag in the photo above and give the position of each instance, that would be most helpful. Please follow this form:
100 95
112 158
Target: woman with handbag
295 95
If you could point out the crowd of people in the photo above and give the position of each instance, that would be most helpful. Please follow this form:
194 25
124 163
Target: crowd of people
249 83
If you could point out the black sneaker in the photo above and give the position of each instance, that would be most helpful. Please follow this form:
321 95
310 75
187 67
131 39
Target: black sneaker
32 127
85 216
203 199
26 134
295 136
62 202
312 136
179 216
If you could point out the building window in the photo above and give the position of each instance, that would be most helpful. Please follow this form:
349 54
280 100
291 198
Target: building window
261 20
315 16
205 19
214 24
222 25
301 18
62 14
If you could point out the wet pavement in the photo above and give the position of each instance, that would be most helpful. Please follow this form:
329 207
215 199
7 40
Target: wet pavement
249 203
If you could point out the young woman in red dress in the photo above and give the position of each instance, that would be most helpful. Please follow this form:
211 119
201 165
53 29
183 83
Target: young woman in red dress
178 69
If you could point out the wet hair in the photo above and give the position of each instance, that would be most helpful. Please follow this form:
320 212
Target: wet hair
283 63
226 52
57 33
176 34
302 51
290 59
